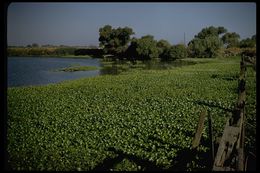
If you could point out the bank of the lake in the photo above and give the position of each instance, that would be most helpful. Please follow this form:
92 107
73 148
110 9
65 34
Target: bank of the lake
137 120
59 56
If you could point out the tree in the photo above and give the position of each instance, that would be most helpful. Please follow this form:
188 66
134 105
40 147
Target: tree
163 46
205 48
231 39
253 37
114 41
144 48
211 31
248 42
207 42
179 51
35 45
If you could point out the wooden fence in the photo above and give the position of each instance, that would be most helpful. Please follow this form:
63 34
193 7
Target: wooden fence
230 153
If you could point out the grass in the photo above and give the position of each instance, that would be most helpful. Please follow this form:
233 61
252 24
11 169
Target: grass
79 68
133 121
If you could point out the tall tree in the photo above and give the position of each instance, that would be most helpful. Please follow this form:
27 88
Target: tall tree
248 42
163 46
143 49
35 45
231 39
114 41
207 42
211 31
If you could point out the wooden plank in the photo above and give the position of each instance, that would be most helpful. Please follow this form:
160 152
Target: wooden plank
228 140
220 156
217 168
240 162
231 137
197 137
240 126
241 99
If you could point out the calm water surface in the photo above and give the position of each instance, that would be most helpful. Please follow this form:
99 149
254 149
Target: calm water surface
25 71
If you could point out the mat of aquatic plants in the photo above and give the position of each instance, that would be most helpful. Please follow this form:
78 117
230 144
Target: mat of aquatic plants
138 120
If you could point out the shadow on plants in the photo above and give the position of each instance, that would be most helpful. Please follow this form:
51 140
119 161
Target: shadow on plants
109 163
212 104
197 160
225 77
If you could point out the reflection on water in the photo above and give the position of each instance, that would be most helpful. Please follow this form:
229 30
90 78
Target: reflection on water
115 67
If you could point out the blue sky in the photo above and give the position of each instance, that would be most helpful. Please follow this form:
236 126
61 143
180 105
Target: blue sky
78 23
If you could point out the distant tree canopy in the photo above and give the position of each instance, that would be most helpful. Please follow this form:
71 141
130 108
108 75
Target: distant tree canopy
35 45
92 52
231 39
114 41
210 31
163 47
178 51
207 42
248 42
143 49
40 51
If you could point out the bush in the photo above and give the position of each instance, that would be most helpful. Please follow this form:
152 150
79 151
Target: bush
179 51
233 51
143 49
249 52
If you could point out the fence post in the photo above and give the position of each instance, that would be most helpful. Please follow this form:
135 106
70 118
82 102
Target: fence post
211 138
196 139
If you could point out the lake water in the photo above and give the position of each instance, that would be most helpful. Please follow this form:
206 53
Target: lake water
25 71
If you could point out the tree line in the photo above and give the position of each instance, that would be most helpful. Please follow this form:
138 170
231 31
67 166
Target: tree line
40 51
118 42
210 42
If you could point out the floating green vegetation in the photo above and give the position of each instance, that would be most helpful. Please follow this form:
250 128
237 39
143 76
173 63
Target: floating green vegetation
123 122
79 68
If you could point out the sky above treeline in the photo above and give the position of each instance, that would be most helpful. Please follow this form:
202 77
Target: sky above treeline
77 24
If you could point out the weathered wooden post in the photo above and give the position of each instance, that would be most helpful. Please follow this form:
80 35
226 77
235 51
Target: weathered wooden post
196 139
211 138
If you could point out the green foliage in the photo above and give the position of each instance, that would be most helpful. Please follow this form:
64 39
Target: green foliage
79 68
35 45
205 48
206 44
177 52
163 46
64 51
210 31
114 41
248 42
41 51
231 39
126 165
151 115
144 48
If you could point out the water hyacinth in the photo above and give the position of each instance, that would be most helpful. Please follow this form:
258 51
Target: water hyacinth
148 115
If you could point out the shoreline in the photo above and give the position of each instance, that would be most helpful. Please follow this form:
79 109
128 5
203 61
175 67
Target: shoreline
64 56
